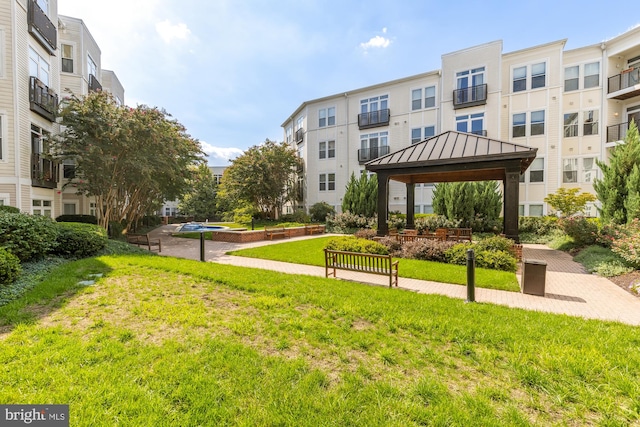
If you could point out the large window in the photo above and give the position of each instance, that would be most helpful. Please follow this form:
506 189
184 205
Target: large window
579 170
429 98
570 125
537 123
67 58
571 78
535 173
375 103
419 134
44 5
519 79
471 123
38 67
538 76
590 119
41 207
519 125
590 73
327 181
327 149
569 170
326 117
92 68
289 134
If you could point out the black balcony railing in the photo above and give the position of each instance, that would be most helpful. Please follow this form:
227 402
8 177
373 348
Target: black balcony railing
41 28
42 99
44 171
624 80
470 96
300 136
94 84
367 154
374 119
617 132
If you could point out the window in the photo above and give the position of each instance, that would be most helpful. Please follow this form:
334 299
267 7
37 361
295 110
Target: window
537 123
472 123
374 140
569 170
327 150
590 126
44 5
92 68
327 181
67 58
538 75
419 134
289 134
536 170
519 125
299 122
374 104
69 208
430 97
68 169
38 67
535 210
327 117
217 178
41 207
92 209
520 210
571 78
591 75
570 125
519 79
416 99
589 171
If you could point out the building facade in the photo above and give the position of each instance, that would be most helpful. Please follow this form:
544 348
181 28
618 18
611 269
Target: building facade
42 55
572 105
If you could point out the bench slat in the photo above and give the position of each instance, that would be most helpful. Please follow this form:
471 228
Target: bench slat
361 262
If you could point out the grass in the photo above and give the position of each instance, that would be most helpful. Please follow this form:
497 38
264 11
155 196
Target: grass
309 252
602 261
162 341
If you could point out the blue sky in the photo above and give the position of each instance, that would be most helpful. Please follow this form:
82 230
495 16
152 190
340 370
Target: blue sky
232 71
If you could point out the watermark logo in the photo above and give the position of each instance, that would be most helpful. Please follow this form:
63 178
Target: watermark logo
34 415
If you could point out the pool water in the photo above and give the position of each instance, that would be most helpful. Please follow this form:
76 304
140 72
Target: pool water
194 226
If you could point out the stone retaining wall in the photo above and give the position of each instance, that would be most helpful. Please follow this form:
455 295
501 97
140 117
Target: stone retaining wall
253 236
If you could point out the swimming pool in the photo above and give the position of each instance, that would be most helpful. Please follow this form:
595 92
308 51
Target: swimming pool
198 227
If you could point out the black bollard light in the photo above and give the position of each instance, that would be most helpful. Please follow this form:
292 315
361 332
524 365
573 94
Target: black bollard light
202 246
251 223
471 276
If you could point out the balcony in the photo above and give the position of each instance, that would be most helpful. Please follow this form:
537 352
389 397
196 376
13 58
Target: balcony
625 85
617 132
374 119
367 154
94 84
300 136
470 96
43 100
44 171
41 28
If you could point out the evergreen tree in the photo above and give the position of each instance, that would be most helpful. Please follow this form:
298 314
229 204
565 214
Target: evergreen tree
473 204
617 191
361 195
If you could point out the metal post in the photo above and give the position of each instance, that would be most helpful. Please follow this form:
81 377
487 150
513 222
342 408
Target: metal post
251 223
471 276
202 246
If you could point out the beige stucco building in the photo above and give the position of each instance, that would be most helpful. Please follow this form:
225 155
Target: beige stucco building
572 105
42 55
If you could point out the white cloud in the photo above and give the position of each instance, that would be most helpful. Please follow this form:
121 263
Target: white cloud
218 155
377 42
169 32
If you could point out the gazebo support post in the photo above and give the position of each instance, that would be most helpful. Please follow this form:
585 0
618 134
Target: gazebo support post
383 203
511 198
410 205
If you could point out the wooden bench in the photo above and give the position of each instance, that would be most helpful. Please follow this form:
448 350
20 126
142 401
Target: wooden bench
144 240
312 228
365 263
269 232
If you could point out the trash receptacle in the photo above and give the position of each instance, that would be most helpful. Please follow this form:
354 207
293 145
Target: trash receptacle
533 276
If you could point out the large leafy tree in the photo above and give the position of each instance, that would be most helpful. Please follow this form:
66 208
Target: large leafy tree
200 200
262 177
568 202
129 159
619 189
476 204
361 195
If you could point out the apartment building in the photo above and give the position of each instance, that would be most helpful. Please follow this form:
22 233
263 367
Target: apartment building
572 105
42 55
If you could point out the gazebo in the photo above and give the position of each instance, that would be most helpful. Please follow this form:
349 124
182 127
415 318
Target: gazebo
454 157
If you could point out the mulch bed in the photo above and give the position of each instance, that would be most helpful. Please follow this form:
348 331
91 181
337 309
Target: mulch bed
626 281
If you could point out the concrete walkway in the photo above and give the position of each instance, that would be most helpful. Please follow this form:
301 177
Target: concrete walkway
569 288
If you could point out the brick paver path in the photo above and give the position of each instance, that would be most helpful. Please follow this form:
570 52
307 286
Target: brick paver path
569 288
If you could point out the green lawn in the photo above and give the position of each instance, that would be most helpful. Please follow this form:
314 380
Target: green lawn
160 341
309 252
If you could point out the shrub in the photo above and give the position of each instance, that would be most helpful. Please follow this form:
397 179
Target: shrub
9 209
353 244
86 219
366 233
347 222
431 222
27 236
9 267
484 258
541 225
319 211
80 240
115 230
627 243
428 250
299 216
394 245
583 230
457 254
397 221
495 243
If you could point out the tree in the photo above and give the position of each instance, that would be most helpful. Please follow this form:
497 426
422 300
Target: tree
262 177
361 195
200 201
568 201
618 189
474 204
129 159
